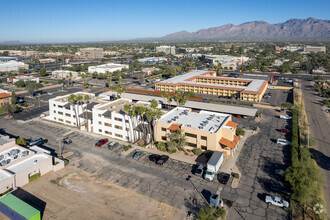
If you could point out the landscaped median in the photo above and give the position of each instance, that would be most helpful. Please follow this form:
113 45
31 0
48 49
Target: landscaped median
303 174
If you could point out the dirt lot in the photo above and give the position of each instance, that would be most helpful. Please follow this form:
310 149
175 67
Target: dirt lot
75 194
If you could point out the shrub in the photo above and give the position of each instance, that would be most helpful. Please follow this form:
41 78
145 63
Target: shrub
34 177
171 151
236 175
161 146
256 128
127 147
4 193
45 82
197 151
240 132
21 141
66 161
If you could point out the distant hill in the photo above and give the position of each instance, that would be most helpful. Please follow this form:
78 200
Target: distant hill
310 28
16 42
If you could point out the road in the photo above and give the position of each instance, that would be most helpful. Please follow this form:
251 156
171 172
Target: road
319 128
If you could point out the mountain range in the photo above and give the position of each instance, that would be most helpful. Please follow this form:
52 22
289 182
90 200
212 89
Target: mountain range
293 29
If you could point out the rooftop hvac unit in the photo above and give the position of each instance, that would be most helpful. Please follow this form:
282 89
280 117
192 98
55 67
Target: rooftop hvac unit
189 126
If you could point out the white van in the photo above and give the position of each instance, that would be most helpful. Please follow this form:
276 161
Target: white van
285 117
283 142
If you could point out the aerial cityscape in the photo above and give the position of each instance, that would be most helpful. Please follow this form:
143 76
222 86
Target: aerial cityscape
175 110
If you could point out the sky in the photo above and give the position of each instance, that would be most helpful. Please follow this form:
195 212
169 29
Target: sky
42 21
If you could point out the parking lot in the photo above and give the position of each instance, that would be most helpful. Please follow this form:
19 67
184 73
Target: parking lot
174 182
277 97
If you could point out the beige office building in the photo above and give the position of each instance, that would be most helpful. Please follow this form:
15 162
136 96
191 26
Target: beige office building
205 130
308 49
91 53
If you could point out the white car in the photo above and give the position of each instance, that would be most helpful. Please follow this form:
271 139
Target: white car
272 200
285 117
283 142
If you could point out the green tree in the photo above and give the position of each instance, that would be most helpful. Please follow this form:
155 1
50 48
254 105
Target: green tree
31 87
177 140
218 68
20 84
13 98
240 132
43 72
21 141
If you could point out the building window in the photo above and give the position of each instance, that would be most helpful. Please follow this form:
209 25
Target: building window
118 127
191 144
100 115
107 124
204 138
54 105
203 147
54 118
60 119
126 121
69 122
54 111
67 115
100 122
163 129
60 113
164 138
100 130
108 132
127 129
59 106
118 119
191 135
119 135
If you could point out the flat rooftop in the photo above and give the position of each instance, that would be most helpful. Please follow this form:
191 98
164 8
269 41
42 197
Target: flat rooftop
16 168
203 120
253 85
118 105
5 139
230 109
3 175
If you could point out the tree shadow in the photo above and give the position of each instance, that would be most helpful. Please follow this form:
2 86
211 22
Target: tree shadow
204 157
321 159
31 200
206 194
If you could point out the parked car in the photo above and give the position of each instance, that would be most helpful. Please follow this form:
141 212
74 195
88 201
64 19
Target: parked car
285 131
199 171
223 178
154 157
101 142
272 200
238 116
137 155
279 171
67 141
283 142
285 117
280 189
162 159
244 116
38 141
112 144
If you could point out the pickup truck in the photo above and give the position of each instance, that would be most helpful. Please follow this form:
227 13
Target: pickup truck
38 141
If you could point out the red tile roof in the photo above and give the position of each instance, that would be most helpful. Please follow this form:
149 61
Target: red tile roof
4 95
231 124
228 143
174 127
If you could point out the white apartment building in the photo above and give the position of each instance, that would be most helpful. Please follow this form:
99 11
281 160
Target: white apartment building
25 78
166 49
62 111
12 66
109 67
109 119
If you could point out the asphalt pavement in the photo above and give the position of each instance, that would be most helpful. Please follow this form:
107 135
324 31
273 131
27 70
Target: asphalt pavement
320 130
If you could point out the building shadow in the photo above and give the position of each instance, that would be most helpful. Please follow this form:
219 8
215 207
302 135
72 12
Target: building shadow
204 157
206 194
30 199
321 159
3 132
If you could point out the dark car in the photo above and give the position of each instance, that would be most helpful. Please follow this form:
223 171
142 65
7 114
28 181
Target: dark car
67 141
138 155
154 157
199 171
280 189
285 131
161 160
101 142
38 141
223 178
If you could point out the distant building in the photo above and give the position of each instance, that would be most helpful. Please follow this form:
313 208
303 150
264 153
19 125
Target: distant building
206 82
91 53
148 70
61 74
170 50
203 130
12 66
109 67
152 60
25 78
278 48
47 60
6 59
293 48
111 53
5 97
308 49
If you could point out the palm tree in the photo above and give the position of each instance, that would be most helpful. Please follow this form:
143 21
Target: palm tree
177 97
86 100
164 95
127 110
71 78
133 114
153 104
79 100
169 99
71 99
